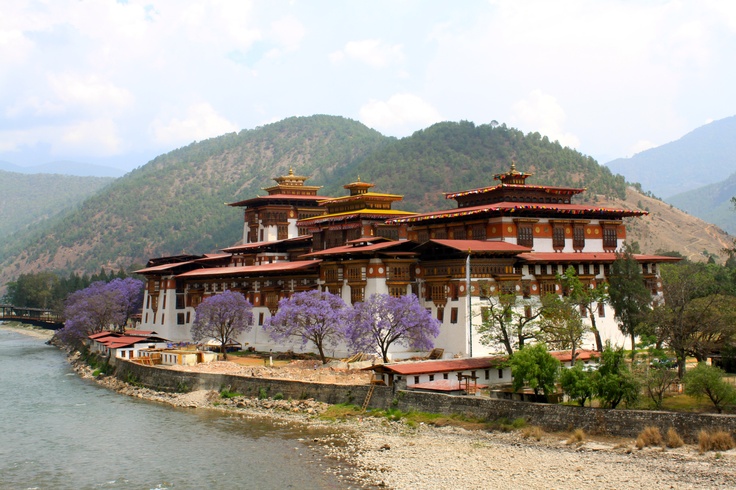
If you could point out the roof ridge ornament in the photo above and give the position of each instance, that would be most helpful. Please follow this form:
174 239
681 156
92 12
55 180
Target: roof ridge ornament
513 176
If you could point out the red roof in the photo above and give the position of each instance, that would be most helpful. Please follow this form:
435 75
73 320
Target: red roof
277 197
576 257
439 366
485 190
481 246
580 355
514 207
251 269
256 245
353 249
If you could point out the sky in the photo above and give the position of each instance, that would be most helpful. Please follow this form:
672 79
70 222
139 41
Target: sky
117 83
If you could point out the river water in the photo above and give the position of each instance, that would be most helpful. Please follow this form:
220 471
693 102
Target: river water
60 431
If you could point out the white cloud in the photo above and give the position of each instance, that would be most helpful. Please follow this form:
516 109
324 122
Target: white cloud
89 91
640 146
541 112
200 122
372 52
400 114
288 32
95 137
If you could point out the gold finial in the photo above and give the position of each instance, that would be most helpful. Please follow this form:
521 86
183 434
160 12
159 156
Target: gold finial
291 171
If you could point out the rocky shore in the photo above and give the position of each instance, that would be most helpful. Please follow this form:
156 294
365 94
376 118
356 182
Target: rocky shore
380 453
375 452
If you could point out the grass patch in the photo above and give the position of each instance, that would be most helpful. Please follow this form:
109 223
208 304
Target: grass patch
685 403
341 411
650 436
506 425
715 441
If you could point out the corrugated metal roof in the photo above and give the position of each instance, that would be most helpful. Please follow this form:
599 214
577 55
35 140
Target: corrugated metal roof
513 207
439 366
251 269
481 246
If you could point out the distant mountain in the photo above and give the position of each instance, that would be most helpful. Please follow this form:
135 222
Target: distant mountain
64 167
711 203
175 203
28 201
704 156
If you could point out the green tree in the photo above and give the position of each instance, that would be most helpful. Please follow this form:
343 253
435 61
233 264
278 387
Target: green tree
614 381
536 368
656 381
628 294
693 319
509 321
707 382
577 383
562 327
586 297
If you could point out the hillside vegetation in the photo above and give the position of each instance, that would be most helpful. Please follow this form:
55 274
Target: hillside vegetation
26 201
175 203
711 203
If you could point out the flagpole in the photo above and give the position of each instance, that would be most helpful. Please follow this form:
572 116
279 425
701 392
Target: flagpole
470 310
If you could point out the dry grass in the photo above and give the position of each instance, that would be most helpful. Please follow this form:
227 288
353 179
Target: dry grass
673 439
650 436
533 431
715 441
577 437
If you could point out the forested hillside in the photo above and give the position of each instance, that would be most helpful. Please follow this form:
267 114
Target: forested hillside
451 156
176 203
27 201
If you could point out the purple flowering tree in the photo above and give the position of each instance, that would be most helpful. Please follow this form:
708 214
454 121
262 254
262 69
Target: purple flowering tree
384 320
311 316
223 316
130 297
100 306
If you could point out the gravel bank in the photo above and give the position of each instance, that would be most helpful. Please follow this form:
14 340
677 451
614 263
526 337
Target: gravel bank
385 454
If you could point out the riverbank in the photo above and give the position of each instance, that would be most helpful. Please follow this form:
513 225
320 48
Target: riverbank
30 330
393 454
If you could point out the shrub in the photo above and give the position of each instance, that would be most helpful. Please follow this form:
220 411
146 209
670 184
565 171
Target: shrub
673 439
262 394
577 437
715 441
278 396
707 382
650 436
534 432
227 393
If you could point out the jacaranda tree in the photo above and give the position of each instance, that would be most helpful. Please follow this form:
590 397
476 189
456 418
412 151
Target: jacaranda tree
383 320
101 306
223 316
310 316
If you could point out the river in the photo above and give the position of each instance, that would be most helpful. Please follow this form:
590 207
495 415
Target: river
60 431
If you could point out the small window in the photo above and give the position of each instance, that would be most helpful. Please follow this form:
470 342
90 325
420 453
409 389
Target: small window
453 315
431 377
488 374
416 379
500 374
260 318
445 376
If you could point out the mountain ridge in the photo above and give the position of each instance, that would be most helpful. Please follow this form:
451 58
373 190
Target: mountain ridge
175 203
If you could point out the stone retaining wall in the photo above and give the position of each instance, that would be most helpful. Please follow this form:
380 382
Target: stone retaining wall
626 423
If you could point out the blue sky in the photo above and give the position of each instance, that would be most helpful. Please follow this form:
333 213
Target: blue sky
119 82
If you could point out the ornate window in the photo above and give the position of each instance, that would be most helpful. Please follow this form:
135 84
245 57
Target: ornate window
578 237
558 237
610 238
525 235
